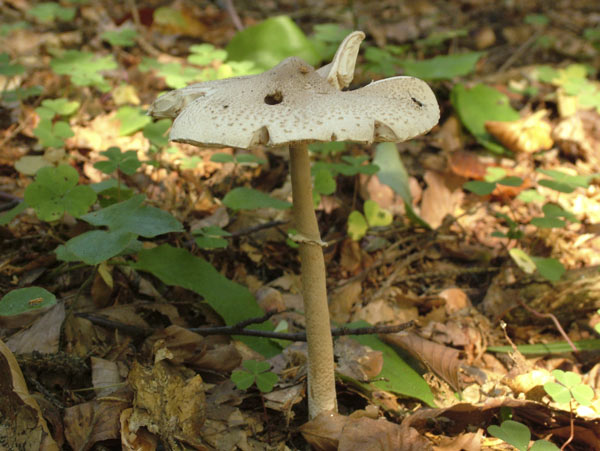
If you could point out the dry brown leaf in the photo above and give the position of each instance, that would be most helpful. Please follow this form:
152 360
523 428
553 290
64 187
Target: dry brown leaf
169 400
467 164
43 336
105 376
471 441
141 440
357 361
529 134
442 196
343 300
442 360
92 422
456 299
22 425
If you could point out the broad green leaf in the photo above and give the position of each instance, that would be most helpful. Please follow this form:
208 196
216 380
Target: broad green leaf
233 302
480 188
564 183
523 261
96 246
443 67
55 191
324 182
11 214
133 217
170 17
327 37
122 38
270 42
132 119
156 132
243 380
24 300
478 105
9 69
251 199
8 28
510 181
327 148
513 433
493 174
357 225
375 215
549 268
396 376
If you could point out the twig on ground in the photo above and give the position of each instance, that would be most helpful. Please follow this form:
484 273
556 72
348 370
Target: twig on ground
240 328
235 18
554 320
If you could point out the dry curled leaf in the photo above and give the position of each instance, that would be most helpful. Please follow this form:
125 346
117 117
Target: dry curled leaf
529 134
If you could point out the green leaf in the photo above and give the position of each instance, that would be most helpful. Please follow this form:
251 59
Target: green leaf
126 162
324 182
558 392
191 162
256 366
583 394
549 268
9 69
567 378
396 376
205 54
510 181
133 217
480 188
543 445
132 119
548 223
84 68
62 107
24 300
11 214
375 215
443 67
121 38
357 225
530 195
52 134
559 347
155 132
327 37
327 148
48 12
20 94
248 158
96 246
266 381
513 433
222 158
233 302
493 174
242 379
564 183
537 19
271 41
55 191
478 105
251 199
208 242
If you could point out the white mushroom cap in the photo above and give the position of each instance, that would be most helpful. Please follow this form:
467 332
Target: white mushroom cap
292 103
340 72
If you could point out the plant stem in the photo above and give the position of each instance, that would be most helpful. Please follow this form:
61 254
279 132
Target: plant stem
321 377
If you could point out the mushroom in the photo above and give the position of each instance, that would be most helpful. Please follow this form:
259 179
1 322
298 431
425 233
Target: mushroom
293 104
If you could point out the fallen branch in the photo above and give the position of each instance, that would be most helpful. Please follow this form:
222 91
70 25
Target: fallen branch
240 328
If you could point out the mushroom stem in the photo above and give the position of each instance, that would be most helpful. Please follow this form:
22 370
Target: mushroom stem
321 377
